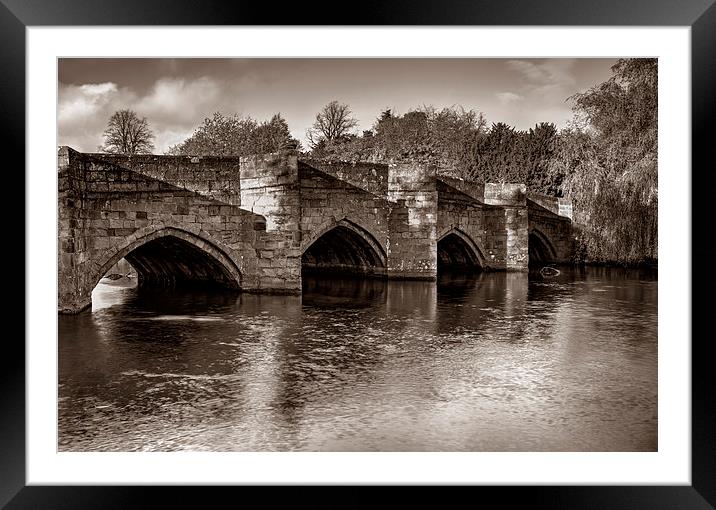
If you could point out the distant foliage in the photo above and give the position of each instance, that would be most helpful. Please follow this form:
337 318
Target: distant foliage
608 160
232 135
425 134
127 134
504 154
458 142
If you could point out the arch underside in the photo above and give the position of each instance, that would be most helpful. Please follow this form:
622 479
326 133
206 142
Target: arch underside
172 262
174 258
540 249
456 254
343 250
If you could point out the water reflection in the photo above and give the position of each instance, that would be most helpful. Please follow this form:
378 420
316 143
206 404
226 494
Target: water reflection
494 361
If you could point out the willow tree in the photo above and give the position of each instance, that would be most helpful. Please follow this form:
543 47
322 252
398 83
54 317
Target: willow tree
608 158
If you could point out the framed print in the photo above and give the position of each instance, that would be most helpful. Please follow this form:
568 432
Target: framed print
387 260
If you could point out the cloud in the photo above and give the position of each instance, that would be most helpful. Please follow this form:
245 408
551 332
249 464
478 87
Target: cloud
178 100
81 102
549 78
165 138
83 111
508 97
174 107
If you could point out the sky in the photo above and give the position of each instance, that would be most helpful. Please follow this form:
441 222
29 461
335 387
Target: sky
175 95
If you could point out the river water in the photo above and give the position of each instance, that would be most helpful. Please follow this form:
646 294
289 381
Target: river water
496 362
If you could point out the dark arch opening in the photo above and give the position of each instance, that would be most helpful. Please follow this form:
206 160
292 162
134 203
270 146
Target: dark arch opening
342 250
169 258
454 254
169 261
540 252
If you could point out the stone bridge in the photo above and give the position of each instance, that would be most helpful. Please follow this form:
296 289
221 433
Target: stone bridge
257 223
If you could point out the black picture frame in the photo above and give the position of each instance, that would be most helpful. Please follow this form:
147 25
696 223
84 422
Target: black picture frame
700 15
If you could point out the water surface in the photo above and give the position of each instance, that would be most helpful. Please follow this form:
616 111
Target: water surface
495 362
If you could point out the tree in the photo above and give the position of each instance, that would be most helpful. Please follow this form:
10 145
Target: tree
385 114
232 135
541 144
333 122
403 136
609 162
274 135
452 130
499 155
424 134
127 134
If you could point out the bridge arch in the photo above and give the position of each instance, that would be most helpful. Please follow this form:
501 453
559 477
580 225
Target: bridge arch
167 256
457 250
343 246
541 248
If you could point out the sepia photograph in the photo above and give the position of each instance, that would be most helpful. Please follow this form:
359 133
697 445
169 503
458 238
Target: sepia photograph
357 254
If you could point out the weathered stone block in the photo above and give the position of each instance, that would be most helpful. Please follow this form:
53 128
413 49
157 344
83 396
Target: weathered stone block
506 194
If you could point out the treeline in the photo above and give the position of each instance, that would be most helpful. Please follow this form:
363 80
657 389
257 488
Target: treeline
459 143
605 161
232 135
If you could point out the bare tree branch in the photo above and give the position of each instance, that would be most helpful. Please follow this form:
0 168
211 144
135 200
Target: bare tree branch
126 133
334 121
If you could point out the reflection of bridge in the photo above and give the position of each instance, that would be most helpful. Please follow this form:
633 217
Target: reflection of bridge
255 223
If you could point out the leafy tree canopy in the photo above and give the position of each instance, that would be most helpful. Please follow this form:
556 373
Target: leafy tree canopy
608 160
232 135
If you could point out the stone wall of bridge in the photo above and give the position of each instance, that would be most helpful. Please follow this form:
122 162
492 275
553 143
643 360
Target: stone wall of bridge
355 220
550 229
379 220
370 177
462 215
492 218
107 212
256 223
412 242
270 187
511 199
212 177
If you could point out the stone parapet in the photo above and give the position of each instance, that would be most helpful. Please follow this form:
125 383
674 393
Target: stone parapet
509 194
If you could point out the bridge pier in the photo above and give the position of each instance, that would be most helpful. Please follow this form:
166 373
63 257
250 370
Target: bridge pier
270 187
412 241
512 199
72 242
